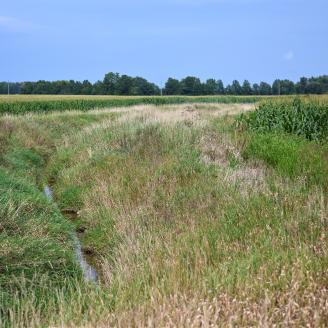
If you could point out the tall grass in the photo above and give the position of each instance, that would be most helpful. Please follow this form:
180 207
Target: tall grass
184 231
163 222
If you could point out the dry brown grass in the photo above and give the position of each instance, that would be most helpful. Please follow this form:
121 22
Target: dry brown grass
295 308
222 151
299 306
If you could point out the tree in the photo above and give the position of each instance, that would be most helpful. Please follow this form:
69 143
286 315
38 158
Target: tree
191 86
323 80
111 81
210 87
314 87
317 85
86 88
124 85
27 88
265 89
142 87
246 88
287 87
234 88
220 87
228 90
98 88
301 85
256 89
276 87
283 87
172 87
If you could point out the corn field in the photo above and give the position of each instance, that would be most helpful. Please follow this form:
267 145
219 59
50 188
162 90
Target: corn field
303 117
44 104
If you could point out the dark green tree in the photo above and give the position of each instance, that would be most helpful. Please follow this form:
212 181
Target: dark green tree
287 87
86 88
234 88
276 87
98 88
220 87
210 87
265 89
142 87
314 87
256 89
172 87
246 88
110 82
191 86
125 85
301 85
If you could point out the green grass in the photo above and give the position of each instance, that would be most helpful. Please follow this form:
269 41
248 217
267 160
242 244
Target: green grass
36 255
188 222
36 245
291 156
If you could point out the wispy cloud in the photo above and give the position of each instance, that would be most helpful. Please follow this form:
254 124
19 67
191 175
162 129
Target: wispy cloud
289 55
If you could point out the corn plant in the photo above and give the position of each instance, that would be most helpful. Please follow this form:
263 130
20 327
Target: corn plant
306 118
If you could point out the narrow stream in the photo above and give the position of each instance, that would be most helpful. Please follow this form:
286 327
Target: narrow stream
89 272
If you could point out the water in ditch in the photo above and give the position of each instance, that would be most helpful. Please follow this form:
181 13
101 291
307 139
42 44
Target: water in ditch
89 272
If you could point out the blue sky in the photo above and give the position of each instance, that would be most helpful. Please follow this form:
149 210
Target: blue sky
226 39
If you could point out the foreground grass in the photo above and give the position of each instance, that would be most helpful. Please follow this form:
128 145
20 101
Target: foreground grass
189 222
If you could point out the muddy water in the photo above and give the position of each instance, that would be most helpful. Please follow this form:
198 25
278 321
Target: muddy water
89 272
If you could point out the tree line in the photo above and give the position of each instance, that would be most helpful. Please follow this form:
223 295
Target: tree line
193 86
116 84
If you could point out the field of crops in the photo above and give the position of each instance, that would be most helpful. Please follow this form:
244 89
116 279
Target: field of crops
43 104
302 117
205 214
21 104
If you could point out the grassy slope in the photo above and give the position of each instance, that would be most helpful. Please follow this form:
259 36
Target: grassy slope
187 224
36 241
